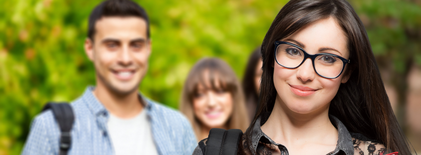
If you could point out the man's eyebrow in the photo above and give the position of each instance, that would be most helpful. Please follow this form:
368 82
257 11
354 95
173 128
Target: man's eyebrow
296 42
138 40
110 40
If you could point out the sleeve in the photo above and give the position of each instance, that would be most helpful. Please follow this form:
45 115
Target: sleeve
197 151
38 142
190 141
200 148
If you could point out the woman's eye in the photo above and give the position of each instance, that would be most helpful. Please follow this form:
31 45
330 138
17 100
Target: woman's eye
220 91
328 59
198 95
293 51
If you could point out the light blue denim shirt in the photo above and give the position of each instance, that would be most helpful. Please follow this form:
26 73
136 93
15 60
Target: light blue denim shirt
171 131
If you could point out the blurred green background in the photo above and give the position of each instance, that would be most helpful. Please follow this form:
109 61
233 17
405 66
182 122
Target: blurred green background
42 57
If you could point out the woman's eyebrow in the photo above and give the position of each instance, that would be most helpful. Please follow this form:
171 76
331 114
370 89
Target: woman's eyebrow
329 49
320 50
296 42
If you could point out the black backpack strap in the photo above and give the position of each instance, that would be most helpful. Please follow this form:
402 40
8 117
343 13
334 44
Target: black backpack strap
223 142
215 141
63 114
232 138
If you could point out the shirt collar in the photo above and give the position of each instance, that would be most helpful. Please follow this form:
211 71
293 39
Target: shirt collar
94 105
344 137
97 108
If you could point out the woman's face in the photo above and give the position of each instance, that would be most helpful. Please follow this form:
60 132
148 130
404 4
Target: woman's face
212 108
301 90
258 76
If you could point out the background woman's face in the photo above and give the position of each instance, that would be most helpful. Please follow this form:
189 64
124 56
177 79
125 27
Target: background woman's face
258 76
212 108
301 90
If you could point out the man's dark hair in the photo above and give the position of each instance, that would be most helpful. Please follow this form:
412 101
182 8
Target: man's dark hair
119 8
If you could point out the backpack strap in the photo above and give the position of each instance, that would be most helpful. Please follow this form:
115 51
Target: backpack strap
64 116
232 138
215 141
221 141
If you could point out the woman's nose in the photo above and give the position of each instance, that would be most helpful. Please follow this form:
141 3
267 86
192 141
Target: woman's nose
305 72
212 101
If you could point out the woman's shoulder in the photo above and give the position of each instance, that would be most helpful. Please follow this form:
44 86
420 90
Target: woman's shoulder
364 145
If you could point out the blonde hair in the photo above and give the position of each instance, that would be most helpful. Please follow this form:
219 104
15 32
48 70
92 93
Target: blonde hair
218 71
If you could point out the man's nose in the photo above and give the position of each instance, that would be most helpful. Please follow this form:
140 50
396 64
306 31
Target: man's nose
125 56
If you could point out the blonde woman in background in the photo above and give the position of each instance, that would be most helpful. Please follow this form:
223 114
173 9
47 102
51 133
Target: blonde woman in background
212 97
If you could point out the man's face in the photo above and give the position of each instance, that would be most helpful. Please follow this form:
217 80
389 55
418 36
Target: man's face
120 53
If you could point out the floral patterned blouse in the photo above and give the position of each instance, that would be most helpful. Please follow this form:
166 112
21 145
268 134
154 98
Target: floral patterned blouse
348 143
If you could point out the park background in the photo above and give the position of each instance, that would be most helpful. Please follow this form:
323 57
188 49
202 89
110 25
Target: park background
42 57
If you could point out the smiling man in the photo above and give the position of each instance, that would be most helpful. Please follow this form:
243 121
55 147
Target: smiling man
113 117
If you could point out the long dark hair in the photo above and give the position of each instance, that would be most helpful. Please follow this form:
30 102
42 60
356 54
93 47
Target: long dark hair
252 97
362 103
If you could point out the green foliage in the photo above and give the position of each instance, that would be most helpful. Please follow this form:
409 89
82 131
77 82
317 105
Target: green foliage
42 57
394 29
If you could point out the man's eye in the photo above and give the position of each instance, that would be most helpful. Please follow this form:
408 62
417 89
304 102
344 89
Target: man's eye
111 45
137 45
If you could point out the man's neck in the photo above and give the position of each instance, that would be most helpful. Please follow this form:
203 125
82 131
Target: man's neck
122 106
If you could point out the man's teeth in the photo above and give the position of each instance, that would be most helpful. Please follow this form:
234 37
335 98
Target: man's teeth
124 74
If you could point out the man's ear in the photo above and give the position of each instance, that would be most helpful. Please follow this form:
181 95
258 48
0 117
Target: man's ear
89 49
149 46
347 74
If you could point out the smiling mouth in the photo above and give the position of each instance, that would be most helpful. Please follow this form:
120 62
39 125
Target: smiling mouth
213 114
123 75
302 90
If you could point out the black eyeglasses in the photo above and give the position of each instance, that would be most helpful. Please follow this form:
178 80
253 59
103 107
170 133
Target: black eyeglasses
326 65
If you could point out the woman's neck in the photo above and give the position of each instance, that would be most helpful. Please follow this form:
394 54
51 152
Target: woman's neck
294 130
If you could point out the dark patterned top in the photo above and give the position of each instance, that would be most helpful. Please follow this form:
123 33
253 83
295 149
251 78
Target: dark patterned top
348 143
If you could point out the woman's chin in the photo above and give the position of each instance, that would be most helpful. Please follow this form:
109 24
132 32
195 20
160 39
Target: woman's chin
218 124
304 109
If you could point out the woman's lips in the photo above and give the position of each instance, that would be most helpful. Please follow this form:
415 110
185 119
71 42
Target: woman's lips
302 90
213 114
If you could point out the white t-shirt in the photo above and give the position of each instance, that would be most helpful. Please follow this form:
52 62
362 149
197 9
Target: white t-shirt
131 136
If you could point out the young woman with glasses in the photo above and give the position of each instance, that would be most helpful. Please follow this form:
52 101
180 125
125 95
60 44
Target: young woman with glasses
321 90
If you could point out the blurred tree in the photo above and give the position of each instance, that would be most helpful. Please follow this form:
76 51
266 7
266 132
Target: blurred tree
394 29
42 57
